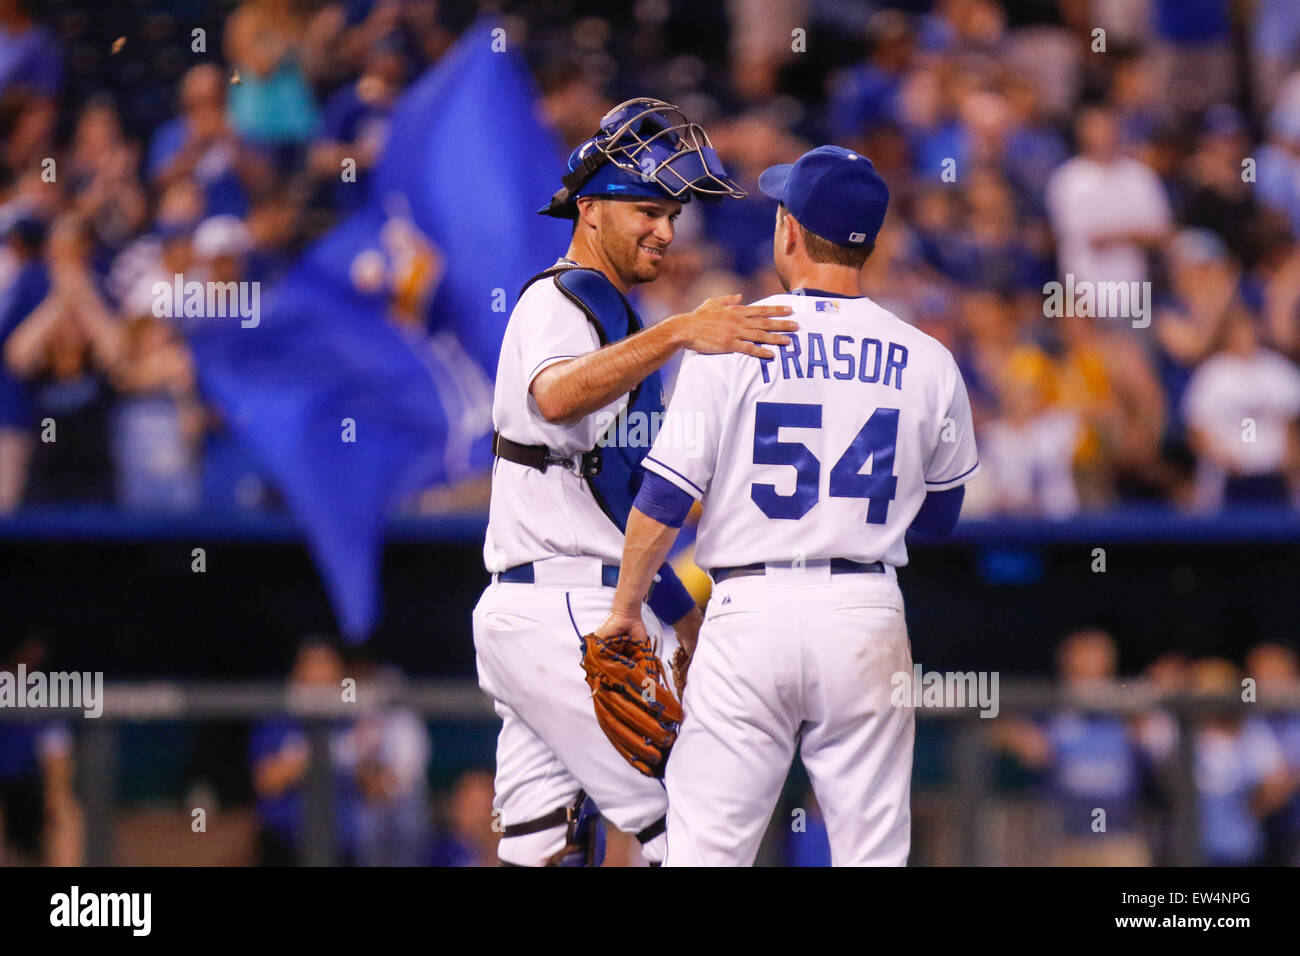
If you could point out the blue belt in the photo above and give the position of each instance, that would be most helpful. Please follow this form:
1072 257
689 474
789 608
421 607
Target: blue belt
524 574
838 566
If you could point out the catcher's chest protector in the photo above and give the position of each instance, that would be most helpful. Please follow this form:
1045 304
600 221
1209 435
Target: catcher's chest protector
613 318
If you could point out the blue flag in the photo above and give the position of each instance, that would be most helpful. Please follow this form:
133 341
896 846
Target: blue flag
470 151
338 409
338 390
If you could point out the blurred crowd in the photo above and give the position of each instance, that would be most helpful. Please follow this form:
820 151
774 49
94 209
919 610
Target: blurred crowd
384 812
225 180
1106 788
1246 768
1144 143
1154 143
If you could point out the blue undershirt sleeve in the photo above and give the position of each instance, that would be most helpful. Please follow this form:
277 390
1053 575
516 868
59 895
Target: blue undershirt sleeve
939 513
660 499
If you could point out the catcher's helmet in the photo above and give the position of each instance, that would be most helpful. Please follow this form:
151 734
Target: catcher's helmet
645 147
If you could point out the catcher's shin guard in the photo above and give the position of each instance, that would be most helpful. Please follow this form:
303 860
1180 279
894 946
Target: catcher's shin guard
584 838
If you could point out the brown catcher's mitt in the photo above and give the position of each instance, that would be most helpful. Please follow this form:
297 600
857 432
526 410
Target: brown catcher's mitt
634 706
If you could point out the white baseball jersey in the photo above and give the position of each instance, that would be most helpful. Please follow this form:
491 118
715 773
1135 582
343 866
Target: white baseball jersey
827 450
534 515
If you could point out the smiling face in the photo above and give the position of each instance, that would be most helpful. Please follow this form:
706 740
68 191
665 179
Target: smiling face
633 235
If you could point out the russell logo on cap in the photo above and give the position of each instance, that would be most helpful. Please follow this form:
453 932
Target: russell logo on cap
833 192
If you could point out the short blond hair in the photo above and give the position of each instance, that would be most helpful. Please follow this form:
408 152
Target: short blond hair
830 253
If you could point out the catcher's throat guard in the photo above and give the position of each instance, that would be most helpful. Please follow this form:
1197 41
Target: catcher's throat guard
645 148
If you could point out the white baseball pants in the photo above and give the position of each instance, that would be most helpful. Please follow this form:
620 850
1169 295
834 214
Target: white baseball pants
797 657
528 643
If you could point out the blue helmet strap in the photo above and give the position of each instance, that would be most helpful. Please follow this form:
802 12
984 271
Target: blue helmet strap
575 179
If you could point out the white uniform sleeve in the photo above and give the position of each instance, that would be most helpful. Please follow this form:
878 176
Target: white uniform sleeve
955 459
685 452
553 330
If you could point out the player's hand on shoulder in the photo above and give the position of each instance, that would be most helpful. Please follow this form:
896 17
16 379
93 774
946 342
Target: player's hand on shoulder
724 324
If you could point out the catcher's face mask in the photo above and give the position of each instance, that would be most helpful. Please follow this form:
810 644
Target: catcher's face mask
645 147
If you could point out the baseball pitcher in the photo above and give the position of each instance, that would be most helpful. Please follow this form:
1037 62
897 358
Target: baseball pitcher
815 464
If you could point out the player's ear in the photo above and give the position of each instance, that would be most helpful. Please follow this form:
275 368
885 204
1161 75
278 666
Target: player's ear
588 212
789 233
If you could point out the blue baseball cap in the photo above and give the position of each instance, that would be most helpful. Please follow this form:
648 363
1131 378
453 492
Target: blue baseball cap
833 192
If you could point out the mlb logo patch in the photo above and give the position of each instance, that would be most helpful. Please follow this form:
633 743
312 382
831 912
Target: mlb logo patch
823 305
857 237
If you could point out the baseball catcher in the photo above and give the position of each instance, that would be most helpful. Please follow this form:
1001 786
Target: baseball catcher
576 366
